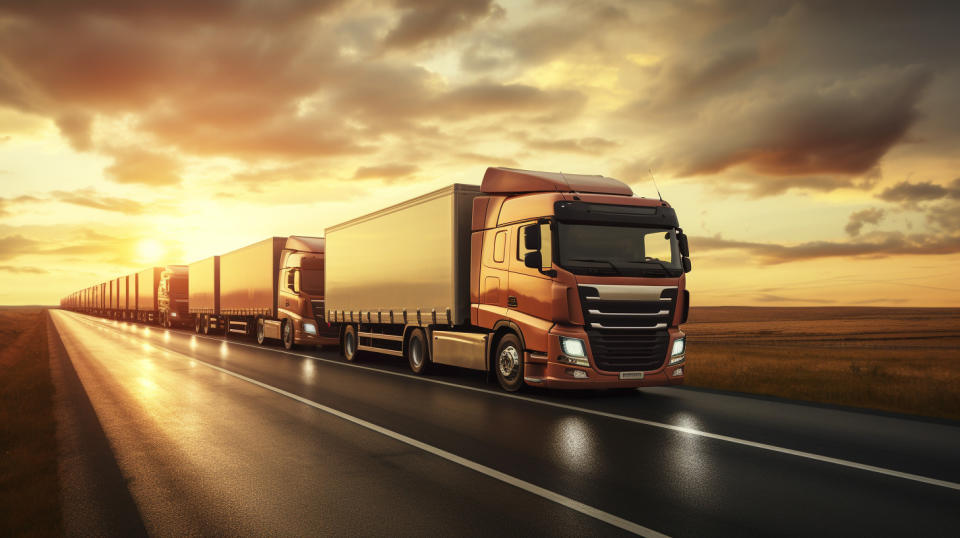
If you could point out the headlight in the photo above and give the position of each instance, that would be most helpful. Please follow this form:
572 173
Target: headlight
310 328
679 346
173 314
573 347
574 352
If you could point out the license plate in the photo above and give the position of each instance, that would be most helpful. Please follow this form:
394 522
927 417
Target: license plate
631 375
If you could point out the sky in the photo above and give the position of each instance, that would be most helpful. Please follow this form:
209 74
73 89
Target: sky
809 148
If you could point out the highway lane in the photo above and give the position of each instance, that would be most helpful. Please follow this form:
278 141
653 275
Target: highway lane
206 450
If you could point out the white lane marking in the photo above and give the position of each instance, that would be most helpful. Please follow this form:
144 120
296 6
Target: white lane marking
735 440
550 495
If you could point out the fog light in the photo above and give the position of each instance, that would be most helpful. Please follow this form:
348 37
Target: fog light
678 372
173 314
579 374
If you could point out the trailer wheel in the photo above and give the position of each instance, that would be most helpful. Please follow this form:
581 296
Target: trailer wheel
349 344
206 325
286 331
508 363
260 337
418 353
196 324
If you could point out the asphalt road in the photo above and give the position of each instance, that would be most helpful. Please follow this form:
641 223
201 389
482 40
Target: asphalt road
220 436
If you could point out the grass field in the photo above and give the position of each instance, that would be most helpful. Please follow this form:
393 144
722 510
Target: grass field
905 360
29 484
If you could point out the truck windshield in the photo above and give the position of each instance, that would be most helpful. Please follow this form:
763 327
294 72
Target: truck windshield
618 250
311 281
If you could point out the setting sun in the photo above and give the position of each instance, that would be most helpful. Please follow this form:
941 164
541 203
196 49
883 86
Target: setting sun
150 250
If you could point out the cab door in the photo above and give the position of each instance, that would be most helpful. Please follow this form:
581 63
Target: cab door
494 277
532 291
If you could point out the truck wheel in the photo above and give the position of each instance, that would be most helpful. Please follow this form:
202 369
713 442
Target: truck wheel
348 346
286 331
206 325
418 352
260 337
196 324
508 362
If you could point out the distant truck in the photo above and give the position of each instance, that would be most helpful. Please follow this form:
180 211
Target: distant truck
551 280
147 308
270 289
172 297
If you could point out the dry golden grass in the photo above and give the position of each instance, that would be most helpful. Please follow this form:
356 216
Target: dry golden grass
29 483
905 360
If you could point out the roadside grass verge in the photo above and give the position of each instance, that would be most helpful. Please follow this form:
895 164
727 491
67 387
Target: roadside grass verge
898 360
29 481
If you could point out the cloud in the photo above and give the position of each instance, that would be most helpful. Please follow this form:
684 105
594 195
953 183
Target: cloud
386 172
134 165
6 203
25 269
910 193
878 245
12 246
75 126
425 21
771 298
843 128
90 198
589 145
857 220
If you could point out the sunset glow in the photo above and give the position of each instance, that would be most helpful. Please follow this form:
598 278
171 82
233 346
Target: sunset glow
810 151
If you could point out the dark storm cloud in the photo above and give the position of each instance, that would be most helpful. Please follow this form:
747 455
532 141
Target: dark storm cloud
858 219
877 245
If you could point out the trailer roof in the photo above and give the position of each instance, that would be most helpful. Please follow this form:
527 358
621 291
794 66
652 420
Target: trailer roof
500 180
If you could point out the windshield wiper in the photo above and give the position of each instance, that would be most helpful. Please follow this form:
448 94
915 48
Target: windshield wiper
608 262
660 263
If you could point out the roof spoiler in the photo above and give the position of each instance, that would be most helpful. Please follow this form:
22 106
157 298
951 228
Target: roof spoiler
500 180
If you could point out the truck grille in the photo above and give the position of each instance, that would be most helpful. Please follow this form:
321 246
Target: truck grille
627 325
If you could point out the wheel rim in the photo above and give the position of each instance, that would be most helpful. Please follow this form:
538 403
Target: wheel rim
260 331
416 352
348 344
287 333
508 363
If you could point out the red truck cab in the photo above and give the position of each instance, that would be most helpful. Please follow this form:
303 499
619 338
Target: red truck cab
588 279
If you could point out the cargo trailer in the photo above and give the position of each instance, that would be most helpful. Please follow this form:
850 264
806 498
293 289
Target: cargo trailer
147 308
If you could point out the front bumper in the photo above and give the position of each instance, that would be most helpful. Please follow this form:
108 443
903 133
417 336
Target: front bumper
540 371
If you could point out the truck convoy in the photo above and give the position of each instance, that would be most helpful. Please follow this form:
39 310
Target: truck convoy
540 279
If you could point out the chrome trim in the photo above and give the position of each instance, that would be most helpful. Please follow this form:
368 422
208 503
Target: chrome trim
599 313
654 328
623 292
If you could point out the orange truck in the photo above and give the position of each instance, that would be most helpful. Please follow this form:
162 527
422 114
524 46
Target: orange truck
541 279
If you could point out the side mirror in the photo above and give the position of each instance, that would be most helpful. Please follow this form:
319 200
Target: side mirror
533 259
531 238
684 246
686 265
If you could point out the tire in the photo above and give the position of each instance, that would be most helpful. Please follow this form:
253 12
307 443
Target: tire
260 336
286 332
508 363
348 344
206 325
196 324
418 352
